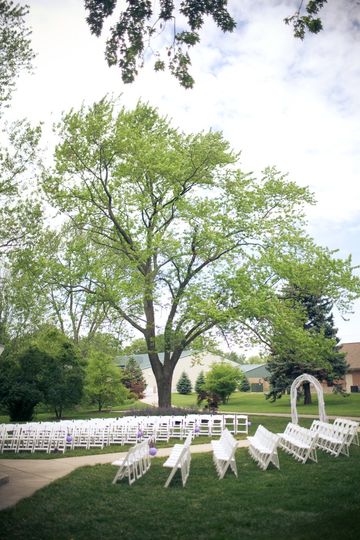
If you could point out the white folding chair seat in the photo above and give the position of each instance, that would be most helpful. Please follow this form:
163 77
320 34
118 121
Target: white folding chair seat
163 429
241 423
26 439
43 438
179 459
11 438
117 433
217 424
230 422
134 464
97 437
224 453
177 427
190 423
204 424
263 448
58 440
149 427
80 436
131 431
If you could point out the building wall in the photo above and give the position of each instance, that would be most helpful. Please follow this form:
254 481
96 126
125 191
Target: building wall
192 365
352 379
355 377
259 381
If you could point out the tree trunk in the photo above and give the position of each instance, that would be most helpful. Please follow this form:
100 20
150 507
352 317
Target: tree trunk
307 393
164 391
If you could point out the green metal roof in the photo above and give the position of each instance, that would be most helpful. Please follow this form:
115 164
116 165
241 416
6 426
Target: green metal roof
143 359
255 371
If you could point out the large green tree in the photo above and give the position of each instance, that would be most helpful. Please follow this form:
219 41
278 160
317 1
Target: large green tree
40 367
142 28
285 364
21 381
103 384
186 242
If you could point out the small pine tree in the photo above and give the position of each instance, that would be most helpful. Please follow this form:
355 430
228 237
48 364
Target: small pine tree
133 378
244 386
200 381
184 384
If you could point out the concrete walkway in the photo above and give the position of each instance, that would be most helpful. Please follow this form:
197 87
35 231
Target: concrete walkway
28 475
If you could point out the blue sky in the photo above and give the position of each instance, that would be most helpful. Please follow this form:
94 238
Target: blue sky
279 101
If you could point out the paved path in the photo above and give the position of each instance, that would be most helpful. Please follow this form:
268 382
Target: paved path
28 475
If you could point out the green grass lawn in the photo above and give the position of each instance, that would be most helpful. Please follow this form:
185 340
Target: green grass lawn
335 404
83 412
314 501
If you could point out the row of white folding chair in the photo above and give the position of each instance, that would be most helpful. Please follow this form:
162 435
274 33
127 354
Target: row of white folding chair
97 433
214 424
236 423
351 427
51 436
32 438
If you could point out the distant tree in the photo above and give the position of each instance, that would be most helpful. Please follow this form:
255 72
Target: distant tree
63 379
183 385
288 362
103 384
99 343
255 359
138 346
199 383
244 385
140 23
40 367
21 382
235 357
15 47
222 379
20 213
133 378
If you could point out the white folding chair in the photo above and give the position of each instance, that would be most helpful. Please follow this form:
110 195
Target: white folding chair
179 459
135 463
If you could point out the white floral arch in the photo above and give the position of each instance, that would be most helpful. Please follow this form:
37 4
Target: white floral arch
293 392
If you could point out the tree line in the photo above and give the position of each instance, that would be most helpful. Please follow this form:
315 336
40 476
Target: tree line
48 369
